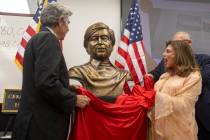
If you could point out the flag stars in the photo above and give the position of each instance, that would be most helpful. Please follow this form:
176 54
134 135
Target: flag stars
133 24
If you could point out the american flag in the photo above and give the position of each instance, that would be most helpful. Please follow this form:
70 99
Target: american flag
131 55
31 30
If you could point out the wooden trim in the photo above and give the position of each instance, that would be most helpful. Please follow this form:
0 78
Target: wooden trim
16 14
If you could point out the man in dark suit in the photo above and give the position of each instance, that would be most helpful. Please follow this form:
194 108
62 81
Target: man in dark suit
202 108
47 102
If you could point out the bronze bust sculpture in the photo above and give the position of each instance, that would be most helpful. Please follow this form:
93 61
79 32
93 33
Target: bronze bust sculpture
99 75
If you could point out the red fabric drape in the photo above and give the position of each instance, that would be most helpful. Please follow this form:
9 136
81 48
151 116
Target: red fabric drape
126 119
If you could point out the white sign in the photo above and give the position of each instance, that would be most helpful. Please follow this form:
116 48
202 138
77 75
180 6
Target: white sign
11 31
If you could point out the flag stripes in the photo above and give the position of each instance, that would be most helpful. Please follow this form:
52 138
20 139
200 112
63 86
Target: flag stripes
131 55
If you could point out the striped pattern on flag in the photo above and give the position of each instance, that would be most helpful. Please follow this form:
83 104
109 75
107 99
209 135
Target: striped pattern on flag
31 30
131 55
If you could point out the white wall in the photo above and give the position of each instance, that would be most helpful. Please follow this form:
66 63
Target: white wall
171 21
86 12
11 5
168 17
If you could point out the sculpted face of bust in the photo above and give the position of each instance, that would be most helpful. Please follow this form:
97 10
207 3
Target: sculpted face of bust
100 45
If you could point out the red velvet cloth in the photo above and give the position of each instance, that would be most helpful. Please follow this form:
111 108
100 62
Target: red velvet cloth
126 119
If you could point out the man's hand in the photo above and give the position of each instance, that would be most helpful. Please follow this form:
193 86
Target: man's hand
82 101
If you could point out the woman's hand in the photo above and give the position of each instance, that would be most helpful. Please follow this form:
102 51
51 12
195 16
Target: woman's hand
148 82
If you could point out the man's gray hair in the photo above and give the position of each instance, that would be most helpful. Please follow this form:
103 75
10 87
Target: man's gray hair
52 13
181 35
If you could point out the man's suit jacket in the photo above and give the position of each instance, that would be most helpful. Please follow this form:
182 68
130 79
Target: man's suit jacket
46 101
203 104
